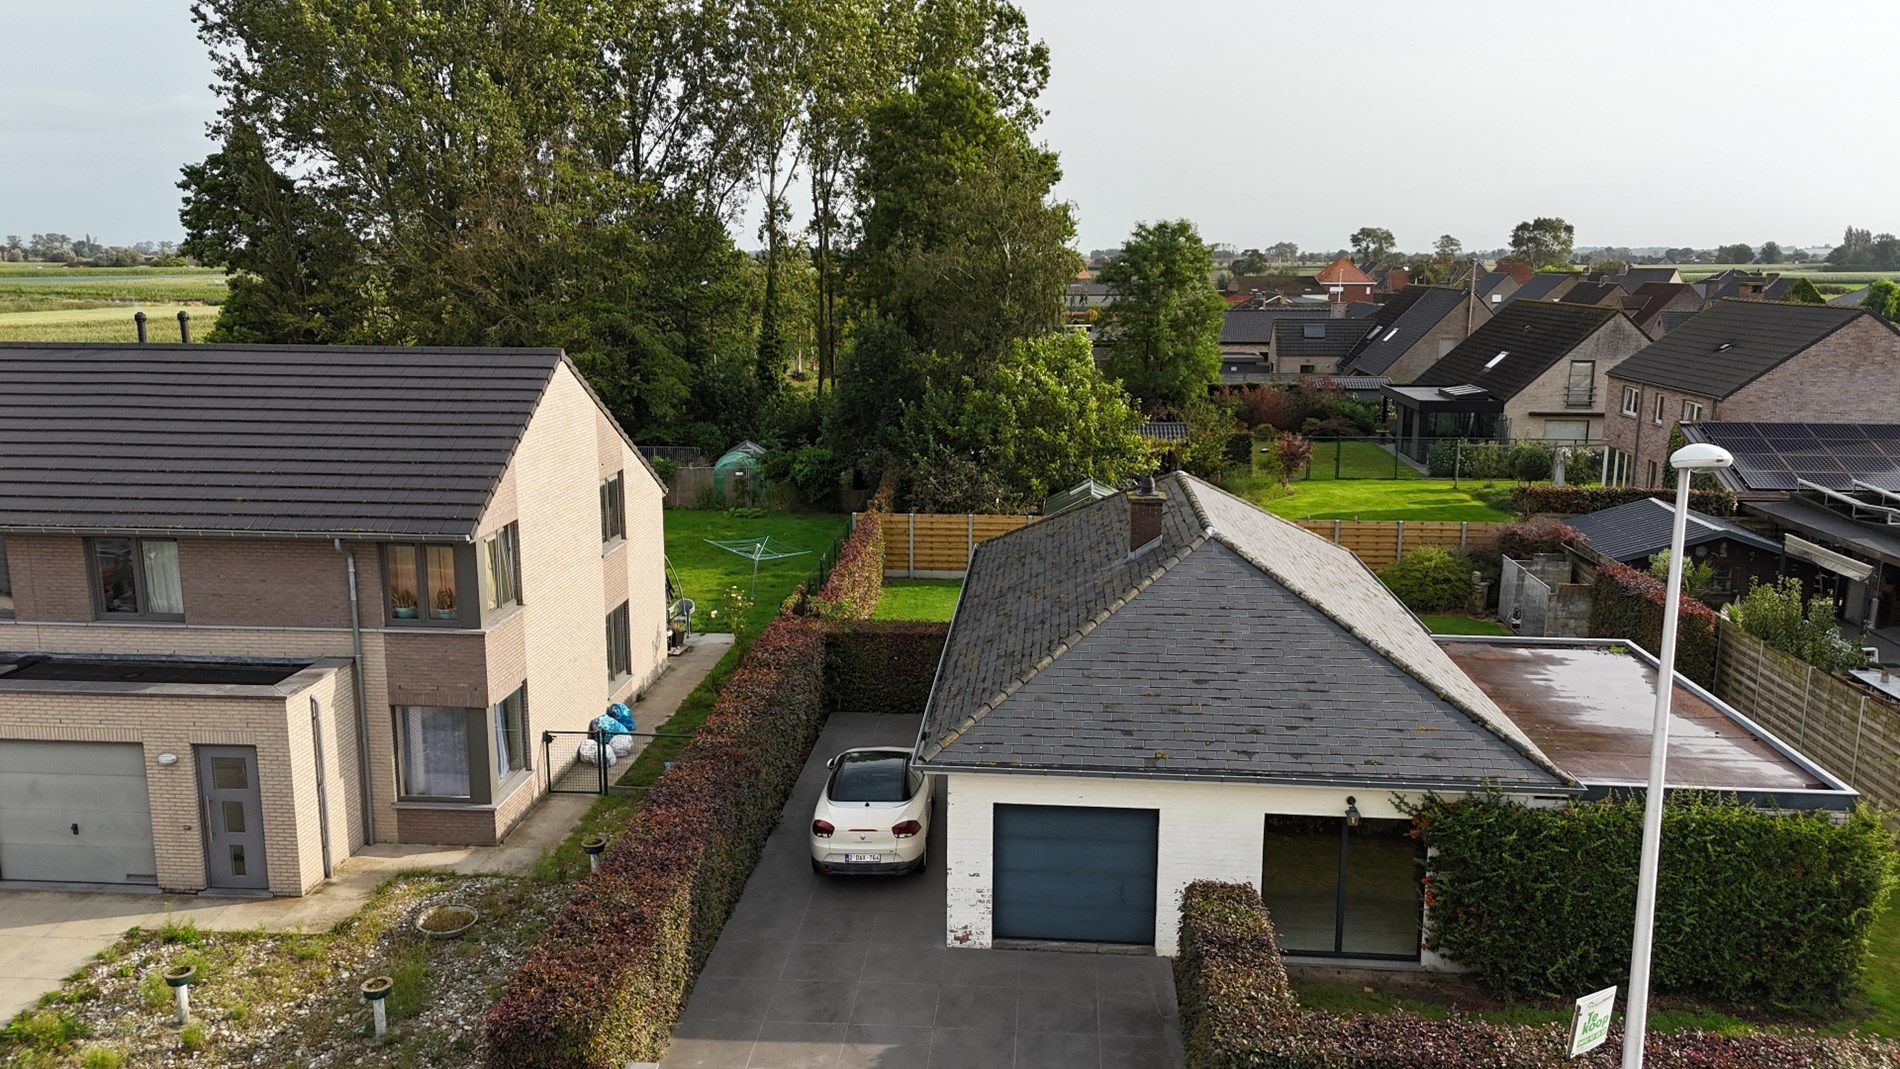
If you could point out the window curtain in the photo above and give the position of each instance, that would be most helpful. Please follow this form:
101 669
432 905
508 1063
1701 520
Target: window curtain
434 751
162 593
510 737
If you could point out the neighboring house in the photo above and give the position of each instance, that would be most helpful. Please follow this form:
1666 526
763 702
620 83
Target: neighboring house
1633 532
270 603
1663 306
1314 346
1414 330
1753 285
1535 370
1085 294
1634 278
1250 343
1343 282
1173 685
1607 294
1496 287
1391 279
1831 492
1546 286
1750 360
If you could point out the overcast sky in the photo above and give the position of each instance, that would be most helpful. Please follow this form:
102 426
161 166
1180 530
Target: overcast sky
1642 123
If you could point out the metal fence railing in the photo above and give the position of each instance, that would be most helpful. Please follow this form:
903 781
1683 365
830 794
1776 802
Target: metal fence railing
1453 457
571 770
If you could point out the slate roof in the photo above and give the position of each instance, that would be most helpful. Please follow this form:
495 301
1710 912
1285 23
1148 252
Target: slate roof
1635 277
1851 298
1491 280
1237 647
1533 335
1731 344
1658 296
1591 293
1337 337
1426 307
1543 284
1636 530
260 439
1254 326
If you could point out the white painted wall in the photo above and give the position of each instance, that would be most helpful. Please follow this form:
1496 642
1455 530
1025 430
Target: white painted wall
1208 831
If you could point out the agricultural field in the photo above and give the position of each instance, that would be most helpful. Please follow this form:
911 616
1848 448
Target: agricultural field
1828 281
50 302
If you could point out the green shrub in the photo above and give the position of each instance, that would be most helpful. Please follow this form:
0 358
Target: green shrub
667 469
194 1035
44 1031
882 666
1238 1013
608 978
1430 580
101 1058
1628 605
1773 612
1531 461
1750 905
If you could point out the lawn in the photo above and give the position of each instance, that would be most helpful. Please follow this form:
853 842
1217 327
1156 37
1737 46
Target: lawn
105 323
706 572
1382 499
1451 623
1355 460
919 599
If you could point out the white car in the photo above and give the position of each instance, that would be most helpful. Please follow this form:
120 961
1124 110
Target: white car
873 815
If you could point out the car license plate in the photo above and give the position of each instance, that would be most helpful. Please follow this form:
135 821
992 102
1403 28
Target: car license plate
861 857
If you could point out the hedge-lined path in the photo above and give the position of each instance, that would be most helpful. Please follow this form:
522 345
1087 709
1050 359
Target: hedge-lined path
853 972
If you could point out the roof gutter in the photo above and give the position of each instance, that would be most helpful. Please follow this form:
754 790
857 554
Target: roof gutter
1342 783
196 532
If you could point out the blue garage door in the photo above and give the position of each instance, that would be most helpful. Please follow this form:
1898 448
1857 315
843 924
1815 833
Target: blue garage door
1075 873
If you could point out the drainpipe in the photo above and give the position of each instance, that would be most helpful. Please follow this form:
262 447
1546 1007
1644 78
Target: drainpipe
362 701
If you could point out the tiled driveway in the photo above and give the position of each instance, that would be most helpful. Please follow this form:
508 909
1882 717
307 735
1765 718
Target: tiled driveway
816 971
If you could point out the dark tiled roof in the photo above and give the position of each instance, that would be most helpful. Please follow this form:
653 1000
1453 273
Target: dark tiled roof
1591 293
1428 306
1636 277
1542 285
1851 298
260 439
1239 646
1491 280
1165 430
1336 337
1658 296
1254 326
1731 344
1635 530
1533 335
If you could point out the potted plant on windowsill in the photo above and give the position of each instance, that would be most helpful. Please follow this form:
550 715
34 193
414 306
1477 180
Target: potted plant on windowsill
445 604
403 604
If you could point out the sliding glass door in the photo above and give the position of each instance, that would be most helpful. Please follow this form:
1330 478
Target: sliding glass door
1342 890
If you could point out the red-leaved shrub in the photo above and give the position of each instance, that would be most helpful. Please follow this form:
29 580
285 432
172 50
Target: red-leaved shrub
1540 534
1577 500
882 666
856 582
1628 604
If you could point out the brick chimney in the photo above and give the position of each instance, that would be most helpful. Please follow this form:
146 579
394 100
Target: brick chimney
1145 504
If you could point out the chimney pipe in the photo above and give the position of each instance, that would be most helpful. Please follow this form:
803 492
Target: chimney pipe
184 326
139 319
1145 504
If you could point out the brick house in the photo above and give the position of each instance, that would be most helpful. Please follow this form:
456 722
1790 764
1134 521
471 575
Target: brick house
1750 360
1415 329
1536 369
261 605
1343 282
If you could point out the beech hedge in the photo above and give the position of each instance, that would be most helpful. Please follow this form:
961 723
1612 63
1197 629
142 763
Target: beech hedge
606 982
1628 604
882 666
1750 905
856 582
1238 1012
1577 500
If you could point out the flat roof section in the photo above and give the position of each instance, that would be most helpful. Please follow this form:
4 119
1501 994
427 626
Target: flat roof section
42 668
1589 706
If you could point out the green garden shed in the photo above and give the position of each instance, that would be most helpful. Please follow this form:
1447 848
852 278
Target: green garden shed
739 473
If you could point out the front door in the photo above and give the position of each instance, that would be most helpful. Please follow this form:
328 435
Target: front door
234 819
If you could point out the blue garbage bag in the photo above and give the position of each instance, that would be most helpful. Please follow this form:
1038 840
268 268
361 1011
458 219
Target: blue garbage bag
620 712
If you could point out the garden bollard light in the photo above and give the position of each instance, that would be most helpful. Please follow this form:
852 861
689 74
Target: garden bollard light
375 990
593 847
180 978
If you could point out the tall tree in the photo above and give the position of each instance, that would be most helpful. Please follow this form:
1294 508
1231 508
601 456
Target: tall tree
1448 247
1370 244
1163 331
1545 241
1770 253
1738 253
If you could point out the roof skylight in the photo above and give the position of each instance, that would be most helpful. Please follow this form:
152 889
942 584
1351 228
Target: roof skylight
1496 360
1389 333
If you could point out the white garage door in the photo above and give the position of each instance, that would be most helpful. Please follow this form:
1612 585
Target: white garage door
75 811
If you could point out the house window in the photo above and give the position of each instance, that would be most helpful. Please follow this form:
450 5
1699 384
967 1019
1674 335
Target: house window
420 584
613 508
501 568
1314 330
434 745
1651 484
1658 418
1691 411
1632 401
1619 468
1567 431
619 644
6 582
1341 889
137 577
511 733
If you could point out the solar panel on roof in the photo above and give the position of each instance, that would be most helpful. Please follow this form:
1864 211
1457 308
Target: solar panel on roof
1777 456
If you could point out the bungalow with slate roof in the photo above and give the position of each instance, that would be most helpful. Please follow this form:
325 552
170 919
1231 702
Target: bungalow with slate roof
1535 370
1172 684
1635 531
266 604
1750 360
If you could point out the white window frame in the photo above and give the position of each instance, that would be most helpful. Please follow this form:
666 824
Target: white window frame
1662 402
1632 402
1691 411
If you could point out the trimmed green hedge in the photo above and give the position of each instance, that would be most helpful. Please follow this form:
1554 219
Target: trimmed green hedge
1431 579
1628 604
1750 905
608 979
856 581
1237 1012
1577 500
882 666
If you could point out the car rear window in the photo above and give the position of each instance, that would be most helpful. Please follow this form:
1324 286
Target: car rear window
869 778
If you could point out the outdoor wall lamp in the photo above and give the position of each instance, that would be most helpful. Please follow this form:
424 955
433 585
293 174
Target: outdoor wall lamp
1352 812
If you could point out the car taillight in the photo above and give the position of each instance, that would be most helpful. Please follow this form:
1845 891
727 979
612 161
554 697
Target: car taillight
906 829
822 828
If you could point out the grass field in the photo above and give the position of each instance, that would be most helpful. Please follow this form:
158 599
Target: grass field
919 599
1846 279
1381 499
48 302
1451 623
706 572
1356 460
107 323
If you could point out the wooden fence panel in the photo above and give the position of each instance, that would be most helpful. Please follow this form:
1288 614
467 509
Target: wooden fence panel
1380 542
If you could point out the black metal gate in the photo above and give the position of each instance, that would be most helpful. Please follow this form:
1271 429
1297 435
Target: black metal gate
570 773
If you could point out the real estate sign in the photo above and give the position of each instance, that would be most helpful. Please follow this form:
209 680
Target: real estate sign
1590 1024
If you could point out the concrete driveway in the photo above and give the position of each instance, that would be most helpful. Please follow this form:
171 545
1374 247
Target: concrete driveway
818 971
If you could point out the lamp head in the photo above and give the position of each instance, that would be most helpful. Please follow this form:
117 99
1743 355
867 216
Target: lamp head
1701 456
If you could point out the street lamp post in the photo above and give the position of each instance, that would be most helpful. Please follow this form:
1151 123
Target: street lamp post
1687 461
